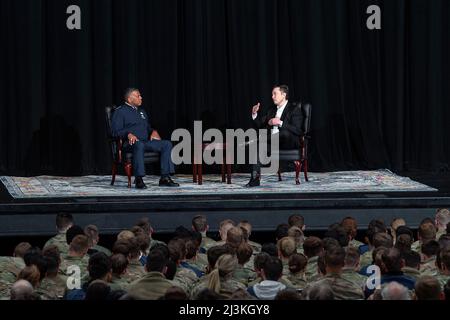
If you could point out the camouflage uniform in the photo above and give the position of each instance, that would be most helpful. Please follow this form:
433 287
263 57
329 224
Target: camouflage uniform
355 244
81 262
411 272
151 287
60 241
10 268
298 280
366 259
207 243
227 287
135 271
428 267
52 288
353 276
417 246
244 275
184 278
343 289
102 249
5 288
255 246
442 278
200 261
312 272
118 283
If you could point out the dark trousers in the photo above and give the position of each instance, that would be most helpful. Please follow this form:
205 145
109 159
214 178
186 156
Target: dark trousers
287 141
164 147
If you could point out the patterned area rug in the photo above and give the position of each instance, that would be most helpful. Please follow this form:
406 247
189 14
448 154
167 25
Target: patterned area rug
99 186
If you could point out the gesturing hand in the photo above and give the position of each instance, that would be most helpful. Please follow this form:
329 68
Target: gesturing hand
132 139
274 122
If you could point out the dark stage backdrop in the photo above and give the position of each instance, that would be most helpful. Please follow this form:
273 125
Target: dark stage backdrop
380 98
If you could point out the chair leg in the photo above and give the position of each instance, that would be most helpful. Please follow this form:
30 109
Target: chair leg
279 175
222 169
194 172
128 169
298 167
114 172
305 169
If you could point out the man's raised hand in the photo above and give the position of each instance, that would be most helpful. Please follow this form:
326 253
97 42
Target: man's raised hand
255 108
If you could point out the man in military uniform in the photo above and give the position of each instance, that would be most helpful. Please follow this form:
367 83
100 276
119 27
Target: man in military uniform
131 123
343 289
63 222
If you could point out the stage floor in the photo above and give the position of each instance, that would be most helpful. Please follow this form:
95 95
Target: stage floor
265 210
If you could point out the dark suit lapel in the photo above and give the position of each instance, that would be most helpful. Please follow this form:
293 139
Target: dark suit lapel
287 110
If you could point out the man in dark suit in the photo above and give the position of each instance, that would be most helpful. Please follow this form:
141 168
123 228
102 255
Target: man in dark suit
283 119
131 123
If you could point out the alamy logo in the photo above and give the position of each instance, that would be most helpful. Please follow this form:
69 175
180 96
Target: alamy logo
74 20
374 21
374 280
74 277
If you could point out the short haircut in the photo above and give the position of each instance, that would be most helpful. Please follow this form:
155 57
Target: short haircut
443 216
404 230
246 225
244 253
125 235
411 258
281 231
382 239
234 237
79 244
121 246
283 88
200 223
214 253
288 294
430 248
270 248
350 226
22 290
273 268
444 257
335 257
128 92
352 257
320 291
175 293
21 249
72 232
338 232
91 231
375 226
296 220
428 288
392 260
404 242
312 246
63 220
177 249
427 231
260 260
145 224
191 249
118 263
395 291
156 261
97 291
99 265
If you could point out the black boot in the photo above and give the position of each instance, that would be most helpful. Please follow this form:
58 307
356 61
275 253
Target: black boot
140 183
167 182
255 181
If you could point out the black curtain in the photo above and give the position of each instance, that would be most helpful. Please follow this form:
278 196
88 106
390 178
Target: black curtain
380 97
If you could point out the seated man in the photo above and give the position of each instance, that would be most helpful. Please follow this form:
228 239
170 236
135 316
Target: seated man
131 123
283 119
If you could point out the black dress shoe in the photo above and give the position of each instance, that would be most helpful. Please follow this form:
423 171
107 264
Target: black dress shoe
140 183
254 182
167 182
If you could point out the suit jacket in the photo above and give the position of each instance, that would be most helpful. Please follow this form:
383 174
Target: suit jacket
292 118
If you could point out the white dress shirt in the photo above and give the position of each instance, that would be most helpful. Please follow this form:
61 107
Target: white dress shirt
280 109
